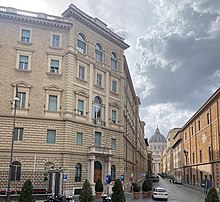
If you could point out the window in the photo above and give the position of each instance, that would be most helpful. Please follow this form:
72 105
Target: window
114 116
23 62
114 86
199 125
22 100
113 143
193 157
97 107
54 66
51 136
81 43
18 134
79 138
52 105
192 130
55 40
210 153
80 108
99 80
81 72
208 118
16 171
98 52
185 135
113 61
113 171
200 155
97 139
78 172
25 35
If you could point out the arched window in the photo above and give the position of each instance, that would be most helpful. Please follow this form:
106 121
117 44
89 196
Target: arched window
16 171
113 171
114 61
98 52
78 172
81 43
97 107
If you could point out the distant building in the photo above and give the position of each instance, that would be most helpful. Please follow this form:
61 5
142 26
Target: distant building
157 143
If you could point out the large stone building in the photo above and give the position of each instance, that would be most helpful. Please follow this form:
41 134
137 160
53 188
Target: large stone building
77 114
201 144
157 143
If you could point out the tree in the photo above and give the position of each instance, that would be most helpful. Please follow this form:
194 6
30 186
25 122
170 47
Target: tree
86 192
147 185
118 193
98 185
212 195
27 192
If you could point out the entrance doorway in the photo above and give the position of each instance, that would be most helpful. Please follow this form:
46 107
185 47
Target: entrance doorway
97 170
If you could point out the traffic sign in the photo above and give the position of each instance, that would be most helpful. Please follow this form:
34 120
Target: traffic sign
65 177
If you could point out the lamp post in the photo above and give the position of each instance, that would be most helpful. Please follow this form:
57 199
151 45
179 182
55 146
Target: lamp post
186 154
16 99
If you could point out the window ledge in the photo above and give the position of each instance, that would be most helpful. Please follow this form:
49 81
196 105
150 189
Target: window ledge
83 80
54 74
115 93
100 87
23 70
56 48
26 43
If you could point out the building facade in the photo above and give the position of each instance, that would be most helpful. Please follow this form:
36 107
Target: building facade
201 144
77 114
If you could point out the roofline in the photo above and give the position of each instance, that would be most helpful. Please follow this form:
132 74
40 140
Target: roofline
214 95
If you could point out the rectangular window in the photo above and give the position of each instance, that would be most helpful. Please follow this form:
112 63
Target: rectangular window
22 100
25 35
99 80
80 108
52 105
79 138
23 62
200 155
81 72
54 66
51 136
114 86
114 116
192 130
199 125
18 134
56 41
208 118
210 153
193 157
113 143
98 139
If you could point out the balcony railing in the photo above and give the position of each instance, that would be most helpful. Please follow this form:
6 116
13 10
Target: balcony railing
100 150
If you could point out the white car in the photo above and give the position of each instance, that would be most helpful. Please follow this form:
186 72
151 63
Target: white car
160 193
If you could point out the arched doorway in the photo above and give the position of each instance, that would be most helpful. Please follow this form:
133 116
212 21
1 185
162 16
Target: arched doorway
97 170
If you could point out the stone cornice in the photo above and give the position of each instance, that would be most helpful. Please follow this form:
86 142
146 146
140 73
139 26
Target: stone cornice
41 19
94 24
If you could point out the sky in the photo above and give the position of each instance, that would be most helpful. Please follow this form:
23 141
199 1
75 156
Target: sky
174 54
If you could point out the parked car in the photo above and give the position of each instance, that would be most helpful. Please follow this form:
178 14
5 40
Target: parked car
153 177
160 193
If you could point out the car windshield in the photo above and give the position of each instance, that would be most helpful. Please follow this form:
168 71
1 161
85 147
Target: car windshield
160 190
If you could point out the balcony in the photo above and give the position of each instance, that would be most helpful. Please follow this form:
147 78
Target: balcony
99 122
100 151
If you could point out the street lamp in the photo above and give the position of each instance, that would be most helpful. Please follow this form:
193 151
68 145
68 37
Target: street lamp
16 99
186 154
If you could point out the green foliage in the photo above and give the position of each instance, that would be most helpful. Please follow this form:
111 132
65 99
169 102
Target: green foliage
98 185
147 185
212 195
136 187
118 192
27 192
86 192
